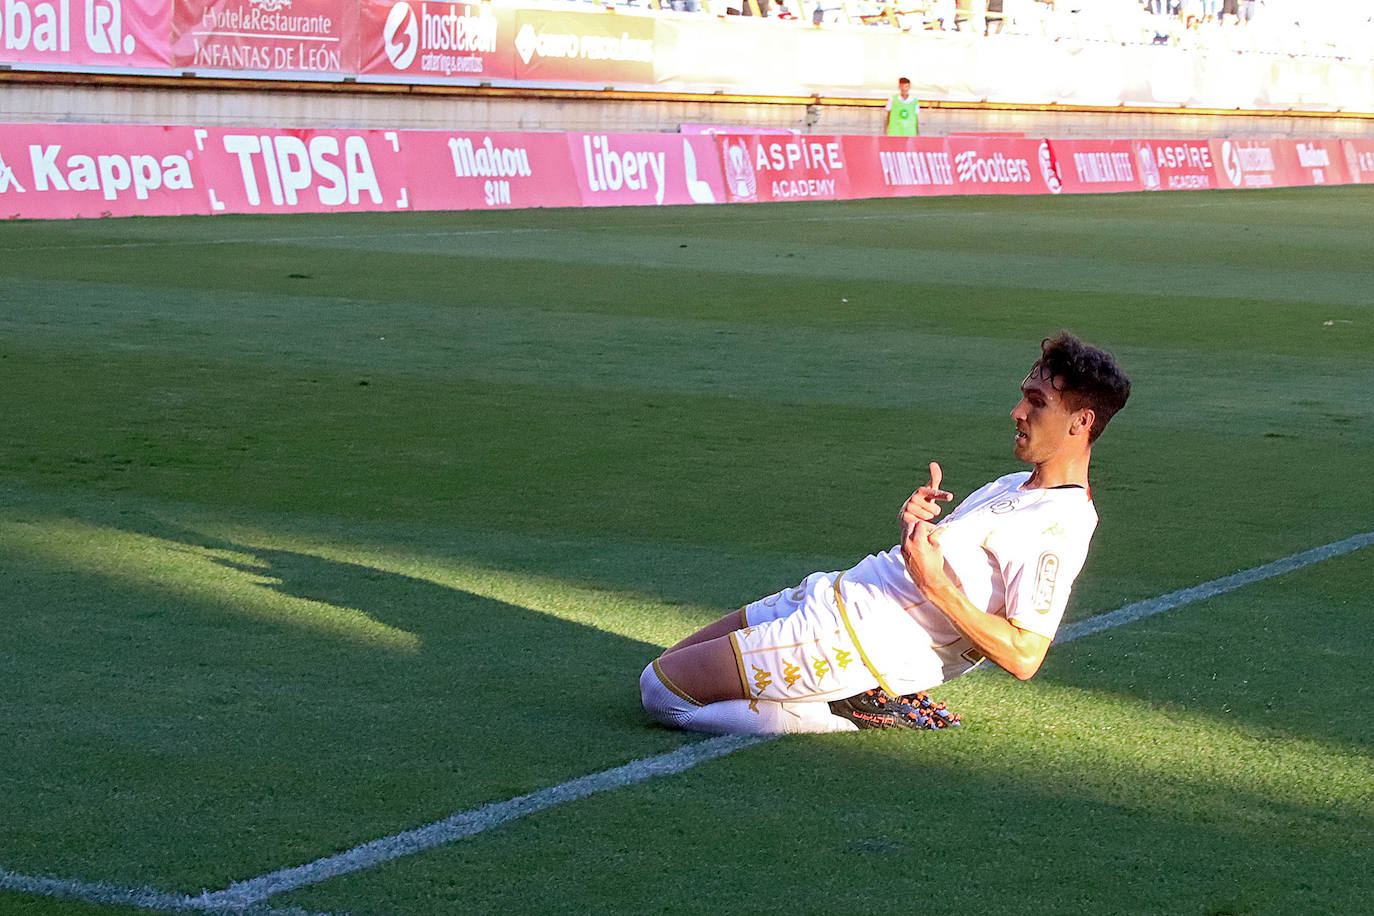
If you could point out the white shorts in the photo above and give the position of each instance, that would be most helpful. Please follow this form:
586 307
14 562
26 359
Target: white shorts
798 644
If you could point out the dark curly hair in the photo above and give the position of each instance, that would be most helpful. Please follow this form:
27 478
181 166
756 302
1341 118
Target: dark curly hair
1091 378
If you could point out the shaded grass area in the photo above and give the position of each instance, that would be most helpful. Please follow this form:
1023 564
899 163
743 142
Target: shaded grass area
318 529
1136 774
15 904
224 707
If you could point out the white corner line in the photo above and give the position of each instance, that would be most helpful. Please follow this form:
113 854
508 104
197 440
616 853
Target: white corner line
247 896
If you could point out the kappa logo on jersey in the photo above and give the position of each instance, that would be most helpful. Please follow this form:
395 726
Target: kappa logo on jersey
1004 505
842 658
762 680
1045 575
791 673
821 666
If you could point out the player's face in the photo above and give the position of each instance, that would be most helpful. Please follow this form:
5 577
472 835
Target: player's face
1042 418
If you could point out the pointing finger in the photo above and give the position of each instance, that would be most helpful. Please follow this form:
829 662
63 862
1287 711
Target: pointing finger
935 475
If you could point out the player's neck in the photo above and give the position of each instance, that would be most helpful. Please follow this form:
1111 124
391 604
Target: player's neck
1060 471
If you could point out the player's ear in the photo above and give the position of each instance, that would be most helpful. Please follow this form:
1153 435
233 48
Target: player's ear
1082 423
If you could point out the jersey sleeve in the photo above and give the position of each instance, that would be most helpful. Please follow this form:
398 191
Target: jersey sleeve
1039 570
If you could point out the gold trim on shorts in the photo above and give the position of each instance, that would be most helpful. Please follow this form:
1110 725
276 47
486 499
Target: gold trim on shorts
667 682
743 619
739 665
854 638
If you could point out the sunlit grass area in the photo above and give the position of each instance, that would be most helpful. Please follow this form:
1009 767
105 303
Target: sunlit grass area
314 530
1135 775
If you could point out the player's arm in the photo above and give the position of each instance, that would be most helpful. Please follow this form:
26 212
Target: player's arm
1018 651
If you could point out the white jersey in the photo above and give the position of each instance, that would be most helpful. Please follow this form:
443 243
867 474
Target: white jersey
1012 552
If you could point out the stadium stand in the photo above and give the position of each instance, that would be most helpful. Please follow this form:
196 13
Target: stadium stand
1316 28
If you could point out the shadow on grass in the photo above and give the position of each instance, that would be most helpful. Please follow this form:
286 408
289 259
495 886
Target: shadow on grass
165 736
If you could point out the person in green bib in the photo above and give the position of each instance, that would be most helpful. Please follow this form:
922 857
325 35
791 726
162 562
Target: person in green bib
901 110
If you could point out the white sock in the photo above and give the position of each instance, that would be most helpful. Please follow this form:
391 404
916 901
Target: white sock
736 717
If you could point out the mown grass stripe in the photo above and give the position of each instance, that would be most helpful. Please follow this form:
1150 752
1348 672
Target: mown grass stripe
247 896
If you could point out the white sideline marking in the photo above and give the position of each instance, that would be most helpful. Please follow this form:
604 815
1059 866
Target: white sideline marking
467 823
247 896
1152 606
102 892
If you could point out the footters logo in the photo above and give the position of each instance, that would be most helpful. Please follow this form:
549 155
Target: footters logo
969 167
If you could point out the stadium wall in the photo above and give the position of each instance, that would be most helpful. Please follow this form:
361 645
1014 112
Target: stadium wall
534 65
139 99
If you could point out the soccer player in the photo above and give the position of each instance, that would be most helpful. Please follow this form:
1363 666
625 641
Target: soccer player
840 650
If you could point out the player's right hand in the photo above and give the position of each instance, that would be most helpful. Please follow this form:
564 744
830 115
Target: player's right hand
924 504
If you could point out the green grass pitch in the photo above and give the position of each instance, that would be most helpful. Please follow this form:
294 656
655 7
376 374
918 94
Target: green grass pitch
318 529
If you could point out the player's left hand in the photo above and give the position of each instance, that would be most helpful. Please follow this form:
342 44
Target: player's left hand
925 560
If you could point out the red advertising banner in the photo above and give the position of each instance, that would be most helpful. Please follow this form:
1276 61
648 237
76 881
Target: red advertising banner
600 49
763 167
56 171
637 169
477 171
1095 166
1000 165
416 38
1275 163
1359 160
1322 161
303 171
132 34
898 166
1175 165
267 36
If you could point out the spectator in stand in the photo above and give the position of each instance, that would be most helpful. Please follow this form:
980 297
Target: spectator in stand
902 110
940 15
1191 13
992 22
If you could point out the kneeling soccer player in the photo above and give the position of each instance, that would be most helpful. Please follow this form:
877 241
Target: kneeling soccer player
839 651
